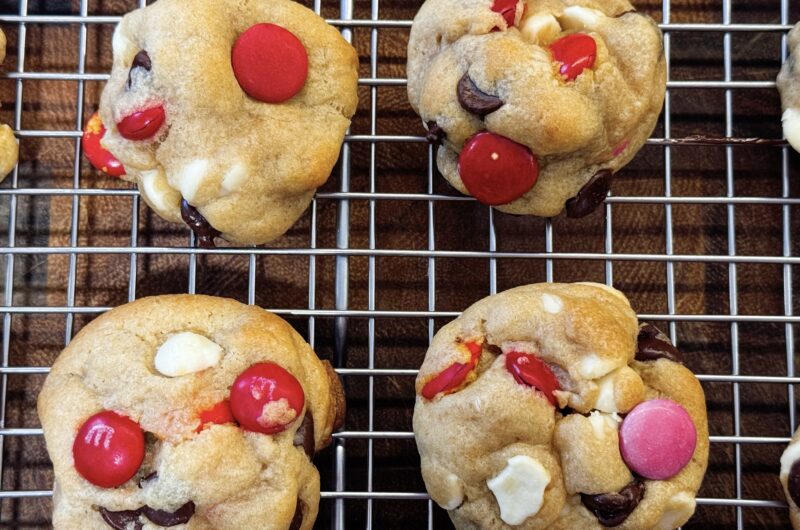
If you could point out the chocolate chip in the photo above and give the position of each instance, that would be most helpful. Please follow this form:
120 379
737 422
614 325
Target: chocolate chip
164 518
142 60
435 134
611 509
592 195
202 229
297 520
793 482
305 435
144 480
473 100
653 345
121 520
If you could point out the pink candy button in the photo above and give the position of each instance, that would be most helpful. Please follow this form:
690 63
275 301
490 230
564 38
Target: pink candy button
657 439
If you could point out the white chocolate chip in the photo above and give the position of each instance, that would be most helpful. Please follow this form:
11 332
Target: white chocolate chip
191 178
789 457
593 367
552 303
121 46
157 192
605 398
186 353
577 18
233 179
453 484
541 28
791 127
678 510
519 489
603 424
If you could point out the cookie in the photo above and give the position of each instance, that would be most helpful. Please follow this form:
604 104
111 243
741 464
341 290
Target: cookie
230 111
536 103
790 478
9 147
188 410
789 87
550 406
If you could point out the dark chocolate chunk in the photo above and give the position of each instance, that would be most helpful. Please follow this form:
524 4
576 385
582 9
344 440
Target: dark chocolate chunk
611 509
144 480
164 518
202 229
305 435
592 195
297 520
142 60
121 520
473 100
653 345
793 482
435 134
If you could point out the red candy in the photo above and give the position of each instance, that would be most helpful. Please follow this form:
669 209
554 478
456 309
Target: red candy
98 155
270 63
575 52
266 385
657 439
497 170
529 370
143 124
452 376
506 8
108 449
219 414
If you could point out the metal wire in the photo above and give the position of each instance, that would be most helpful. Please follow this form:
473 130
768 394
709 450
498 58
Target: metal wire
343 251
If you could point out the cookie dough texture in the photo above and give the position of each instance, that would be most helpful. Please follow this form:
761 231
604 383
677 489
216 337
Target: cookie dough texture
574 128
789 457
250 168
587 334
9 147
789 87
236 479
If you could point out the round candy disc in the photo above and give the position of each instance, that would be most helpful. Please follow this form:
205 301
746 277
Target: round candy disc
497 170
266 398
219 413
529 370
506 8
657 439
575 52
451 377
98 155
143 124
108 449
270 63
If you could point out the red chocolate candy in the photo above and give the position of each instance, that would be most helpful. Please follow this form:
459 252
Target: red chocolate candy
497 170
575 52
219 413
270 63
99 156
657 439
108 449
266 398
529 370
143 124
508 10
452 376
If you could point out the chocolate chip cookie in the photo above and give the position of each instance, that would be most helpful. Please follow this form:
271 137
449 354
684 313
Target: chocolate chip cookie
9 147
227 114
536 103
550 406
188 410
790 478
789 87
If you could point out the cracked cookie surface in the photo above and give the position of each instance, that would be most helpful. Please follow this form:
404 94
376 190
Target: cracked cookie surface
536 409
536 103
238 107
192 410
789 87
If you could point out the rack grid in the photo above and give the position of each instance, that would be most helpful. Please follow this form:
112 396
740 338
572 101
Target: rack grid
700 233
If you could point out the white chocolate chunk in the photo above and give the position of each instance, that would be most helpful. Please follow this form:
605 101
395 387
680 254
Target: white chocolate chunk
121 46
519 489
577 18
552 303
191 178
158 193
789 457
678 510
541 28
605 398
791 127
233 179
604 424
455 491
186 353
593 367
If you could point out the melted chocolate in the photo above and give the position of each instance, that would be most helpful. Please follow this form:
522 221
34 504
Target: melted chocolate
142 60
473 100
297 520
164 518
611 509
305 435
653 345
435 134
202 229
121 520
592 195
793 482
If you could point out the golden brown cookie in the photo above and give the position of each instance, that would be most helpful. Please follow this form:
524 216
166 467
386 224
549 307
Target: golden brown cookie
228 114
189 410
789 87
790 478
549 406
536 103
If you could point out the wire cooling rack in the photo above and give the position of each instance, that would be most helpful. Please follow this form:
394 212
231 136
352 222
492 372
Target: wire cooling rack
701 234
